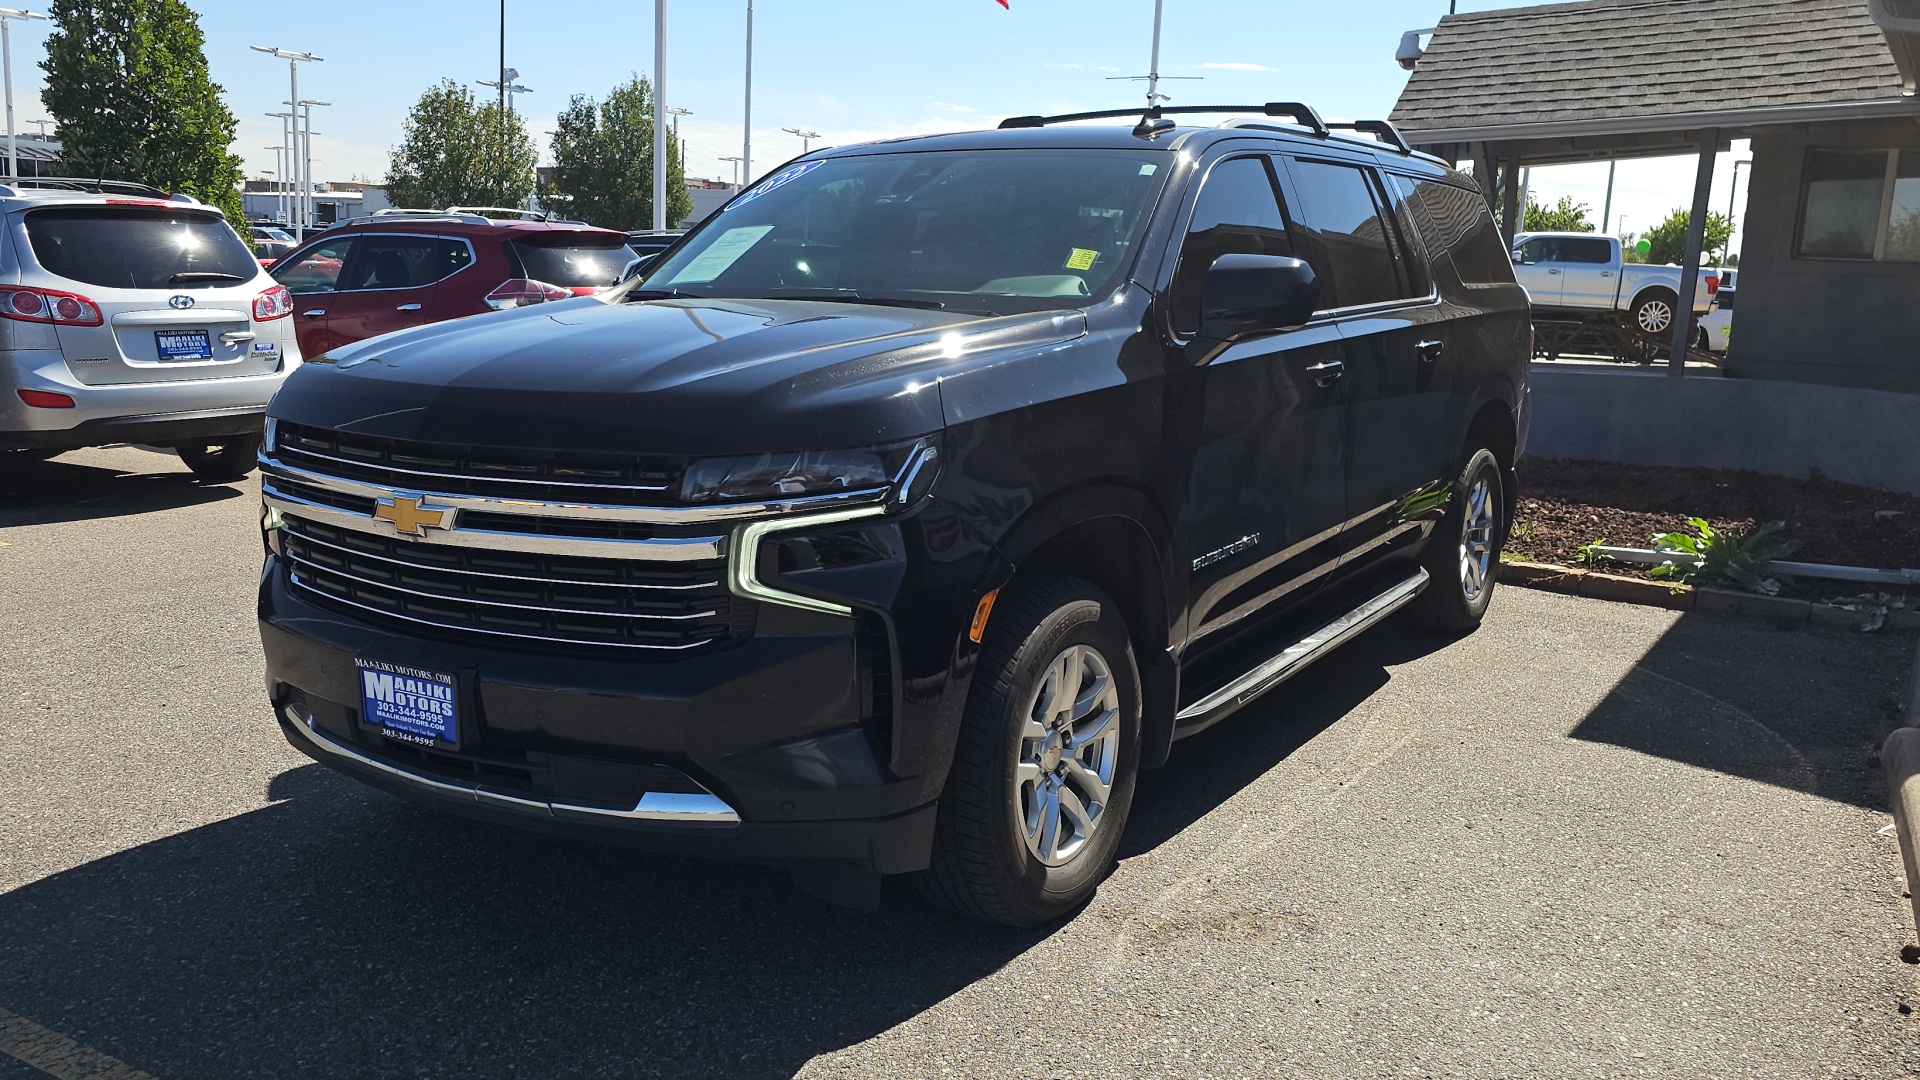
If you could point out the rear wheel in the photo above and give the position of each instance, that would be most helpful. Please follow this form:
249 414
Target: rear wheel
1044 772
222 462
1463 557
1653 314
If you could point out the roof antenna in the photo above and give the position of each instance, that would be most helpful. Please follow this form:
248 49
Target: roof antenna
1153 123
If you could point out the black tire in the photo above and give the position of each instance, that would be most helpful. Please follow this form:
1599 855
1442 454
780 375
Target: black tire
1452 600
222 462
984 866
1647 319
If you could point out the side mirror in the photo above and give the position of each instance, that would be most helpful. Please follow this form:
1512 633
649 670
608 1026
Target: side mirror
1251 294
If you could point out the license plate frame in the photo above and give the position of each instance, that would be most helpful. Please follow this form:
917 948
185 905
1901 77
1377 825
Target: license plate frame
414 705
175 346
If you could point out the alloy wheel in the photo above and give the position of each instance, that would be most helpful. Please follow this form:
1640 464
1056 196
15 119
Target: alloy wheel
1069 746
1656 317
1476 538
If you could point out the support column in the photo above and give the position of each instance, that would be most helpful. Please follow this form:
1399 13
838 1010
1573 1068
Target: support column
1690 267
1483 170
1510 200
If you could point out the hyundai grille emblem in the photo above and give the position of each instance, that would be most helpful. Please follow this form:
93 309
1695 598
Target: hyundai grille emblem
182 302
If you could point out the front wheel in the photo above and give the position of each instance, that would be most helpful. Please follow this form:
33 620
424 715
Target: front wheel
1049 749
1463 557
222 462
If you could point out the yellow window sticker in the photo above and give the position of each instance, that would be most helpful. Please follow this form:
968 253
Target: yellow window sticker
1082 259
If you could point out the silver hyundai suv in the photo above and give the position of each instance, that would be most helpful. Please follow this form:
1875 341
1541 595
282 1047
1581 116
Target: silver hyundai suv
128 316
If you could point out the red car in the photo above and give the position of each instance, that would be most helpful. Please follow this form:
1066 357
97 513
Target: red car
374 276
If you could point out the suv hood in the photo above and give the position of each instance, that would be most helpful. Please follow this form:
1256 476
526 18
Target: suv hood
683 377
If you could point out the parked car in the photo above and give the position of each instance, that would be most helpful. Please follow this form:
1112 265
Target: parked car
648 243
1716 326
381 273
129 316
1576 274
897 517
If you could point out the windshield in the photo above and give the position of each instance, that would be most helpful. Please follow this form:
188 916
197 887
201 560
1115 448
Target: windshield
998 231
131 248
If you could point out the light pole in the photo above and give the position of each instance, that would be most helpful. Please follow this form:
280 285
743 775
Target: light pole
294 60
677 144
659 115
285 202
1153 76
279 169
7 15
806 137
507 87
746 124
736 168
306 162
1732 189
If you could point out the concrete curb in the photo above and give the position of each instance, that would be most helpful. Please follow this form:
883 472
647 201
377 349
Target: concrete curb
1900 757
1631 590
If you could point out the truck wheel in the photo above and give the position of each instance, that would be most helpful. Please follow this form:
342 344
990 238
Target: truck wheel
1463 557
1653 313
1048 753
222 462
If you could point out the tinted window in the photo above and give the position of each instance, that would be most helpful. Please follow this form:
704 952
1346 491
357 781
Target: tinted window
1458 230
1594 252
128 248
573 260
404 262
1237 213
316 271
1540 249
1337 204
999 230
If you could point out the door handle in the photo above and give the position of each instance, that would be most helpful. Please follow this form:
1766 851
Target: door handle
1553 271
315 311
1606 273
1326 371
408 307
1430 350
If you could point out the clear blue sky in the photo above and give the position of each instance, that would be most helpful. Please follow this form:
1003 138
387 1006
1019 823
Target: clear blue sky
850 69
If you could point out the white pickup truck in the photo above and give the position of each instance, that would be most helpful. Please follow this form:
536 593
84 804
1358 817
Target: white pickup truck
1577 274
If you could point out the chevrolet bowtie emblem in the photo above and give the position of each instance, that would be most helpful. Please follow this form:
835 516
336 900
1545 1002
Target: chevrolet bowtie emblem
408 516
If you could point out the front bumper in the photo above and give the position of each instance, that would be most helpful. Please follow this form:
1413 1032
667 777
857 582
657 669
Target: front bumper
158 413
761 744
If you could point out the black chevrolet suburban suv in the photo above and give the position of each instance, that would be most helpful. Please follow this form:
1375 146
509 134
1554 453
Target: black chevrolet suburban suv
902 512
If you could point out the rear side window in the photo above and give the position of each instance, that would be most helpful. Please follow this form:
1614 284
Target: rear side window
1339 208
404 262
319 269
1595 252
572 260
118 247
1237 213
1458 228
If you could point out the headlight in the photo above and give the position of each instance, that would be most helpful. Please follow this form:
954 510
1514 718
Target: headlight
791 475
267 436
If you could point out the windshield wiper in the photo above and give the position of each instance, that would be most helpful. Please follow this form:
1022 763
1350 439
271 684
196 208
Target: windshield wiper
203 275
849 296
662 294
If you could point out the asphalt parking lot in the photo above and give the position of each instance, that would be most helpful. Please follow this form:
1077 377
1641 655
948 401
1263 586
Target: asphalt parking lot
1590 840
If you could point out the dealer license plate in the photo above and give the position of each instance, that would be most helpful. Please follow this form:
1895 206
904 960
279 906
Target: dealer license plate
410 704
184 344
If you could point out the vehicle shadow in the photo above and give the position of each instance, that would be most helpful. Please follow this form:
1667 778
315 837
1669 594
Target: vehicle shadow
342 932
100 484
1795 707
1209 768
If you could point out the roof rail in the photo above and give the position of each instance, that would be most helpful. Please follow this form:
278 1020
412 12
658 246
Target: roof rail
89 185
507 213
414 215
1304 115
1381 130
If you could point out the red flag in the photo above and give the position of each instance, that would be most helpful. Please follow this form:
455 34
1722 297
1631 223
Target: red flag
1003 3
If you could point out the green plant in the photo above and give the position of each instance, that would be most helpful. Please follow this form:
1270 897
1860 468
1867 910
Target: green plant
603 161
455 151
1669 238
1523 531
1740 557
1589 556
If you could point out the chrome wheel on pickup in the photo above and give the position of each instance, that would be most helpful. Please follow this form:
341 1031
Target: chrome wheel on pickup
1044 771
1653 315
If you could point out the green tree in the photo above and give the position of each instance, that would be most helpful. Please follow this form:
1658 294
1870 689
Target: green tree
456 151
127 84
1669 238
603 161
1564 216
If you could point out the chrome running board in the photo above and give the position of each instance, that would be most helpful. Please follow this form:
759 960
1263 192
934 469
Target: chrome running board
1295 657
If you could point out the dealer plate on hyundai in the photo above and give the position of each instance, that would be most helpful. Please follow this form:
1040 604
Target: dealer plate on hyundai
410 704
184 344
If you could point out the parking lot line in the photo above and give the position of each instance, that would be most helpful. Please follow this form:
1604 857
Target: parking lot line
56 1055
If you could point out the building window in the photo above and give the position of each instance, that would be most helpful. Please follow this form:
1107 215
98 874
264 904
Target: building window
1861 204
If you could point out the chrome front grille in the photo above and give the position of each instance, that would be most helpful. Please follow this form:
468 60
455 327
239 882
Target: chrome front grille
557 599
620 479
